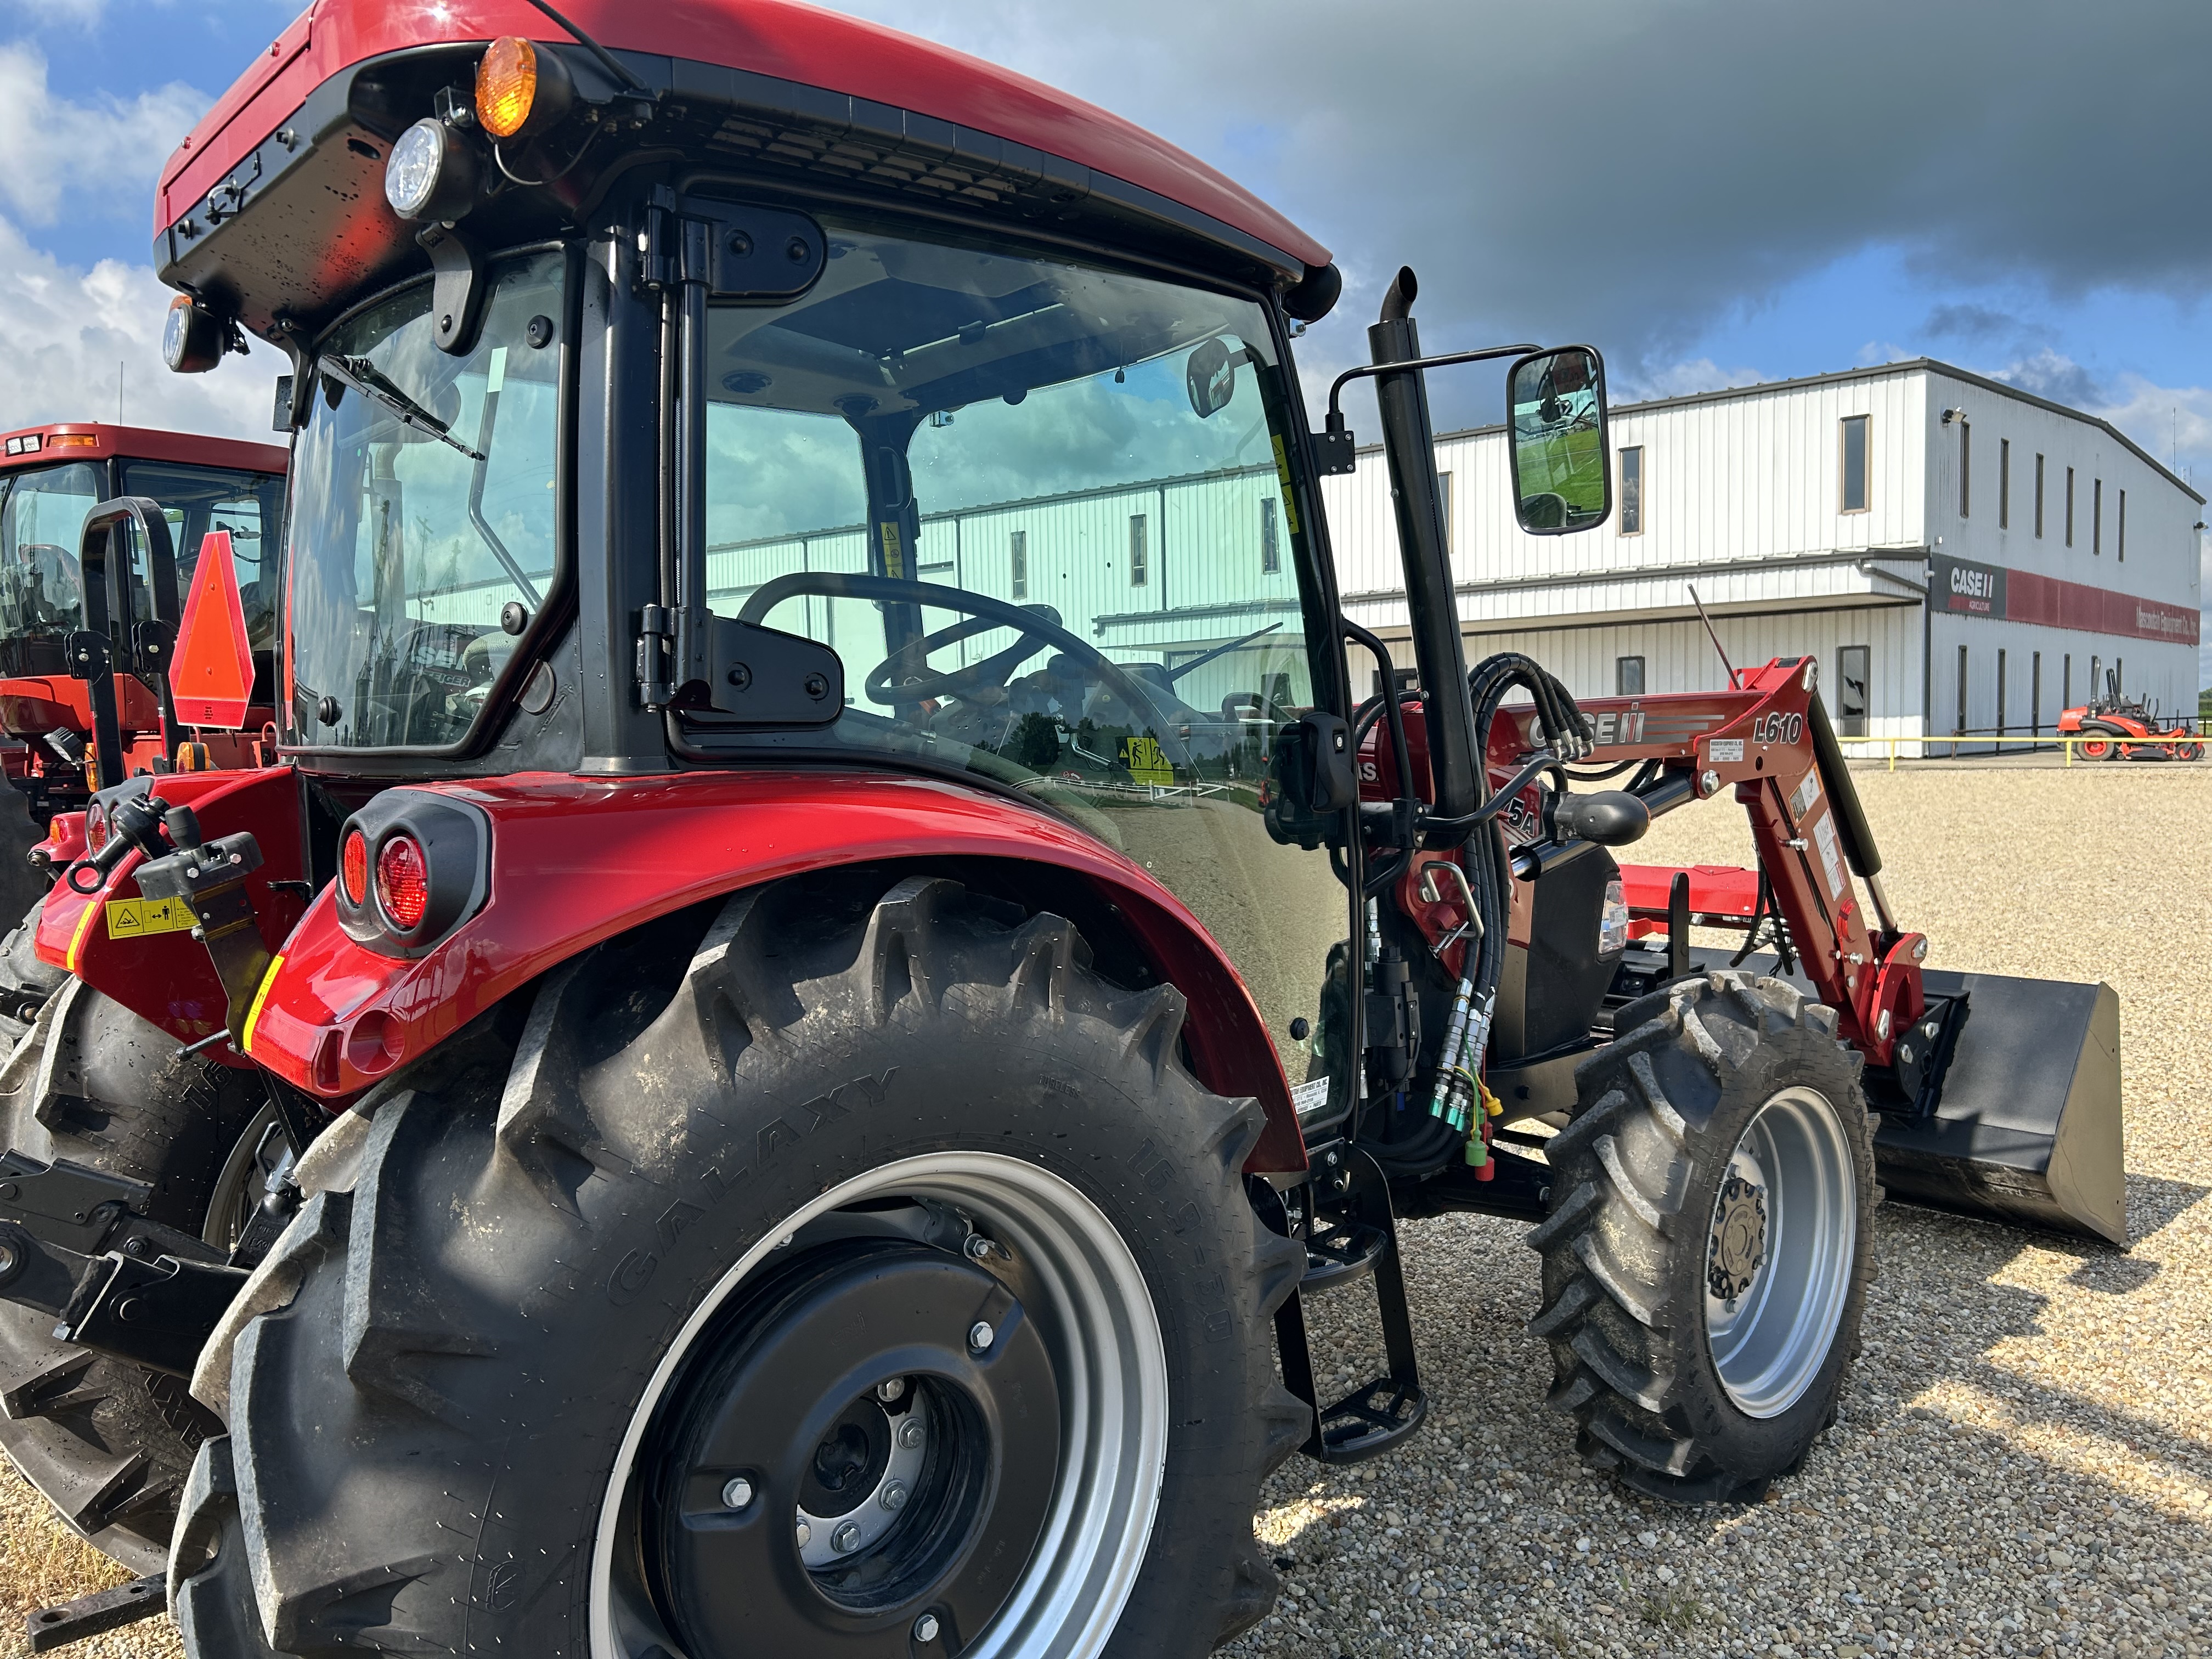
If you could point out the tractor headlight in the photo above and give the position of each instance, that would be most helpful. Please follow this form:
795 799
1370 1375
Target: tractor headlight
431 173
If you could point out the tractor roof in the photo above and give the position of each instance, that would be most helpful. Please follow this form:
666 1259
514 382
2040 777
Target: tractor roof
799 95
98 441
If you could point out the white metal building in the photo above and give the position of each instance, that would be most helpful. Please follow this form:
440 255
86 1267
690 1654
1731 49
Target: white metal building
1813 516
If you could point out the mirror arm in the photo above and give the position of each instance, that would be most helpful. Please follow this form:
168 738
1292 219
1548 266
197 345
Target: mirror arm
1368 370
1333 444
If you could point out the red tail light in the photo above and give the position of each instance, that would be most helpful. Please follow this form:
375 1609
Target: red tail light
353 868
403 881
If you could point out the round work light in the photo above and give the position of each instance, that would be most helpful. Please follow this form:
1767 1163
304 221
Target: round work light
191 338
431 173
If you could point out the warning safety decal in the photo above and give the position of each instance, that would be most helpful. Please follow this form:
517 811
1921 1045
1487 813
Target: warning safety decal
136 918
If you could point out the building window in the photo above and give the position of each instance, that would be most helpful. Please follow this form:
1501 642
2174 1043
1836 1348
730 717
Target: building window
1628 675
2122 549
1853 670
1632 494
1271 550
1141 552
2096 516
2039 498
1017 553
2070 506
2035 694
2000 691
1855 464
2004 484
1961 725
1965 466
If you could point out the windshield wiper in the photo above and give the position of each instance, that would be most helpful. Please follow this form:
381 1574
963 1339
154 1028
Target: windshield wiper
365 378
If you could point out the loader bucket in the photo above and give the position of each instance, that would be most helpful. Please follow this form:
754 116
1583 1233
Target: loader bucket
2027 1125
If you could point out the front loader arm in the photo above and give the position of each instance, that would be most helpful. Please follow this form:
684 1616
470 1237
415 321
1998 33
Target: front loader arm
1761 738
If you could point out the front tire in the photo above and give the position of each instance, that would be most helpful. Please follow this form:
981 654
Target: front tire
611 1342
1710 1238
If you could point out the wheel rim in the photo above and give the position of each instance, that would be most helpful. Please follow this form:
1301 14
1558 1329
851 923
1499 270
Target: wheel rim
1778 1257
1009 1535
261 1150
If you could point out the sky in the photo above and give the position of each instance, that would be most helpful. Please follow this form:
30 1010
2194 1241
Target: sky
1712 191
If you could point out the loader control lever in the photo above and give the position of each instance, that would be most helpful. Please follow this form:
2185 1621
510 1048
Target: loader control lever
1611 817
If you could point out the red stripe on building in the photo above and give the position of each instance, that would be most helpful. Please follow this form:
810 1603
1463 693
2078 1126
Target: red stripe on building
2055 603
1967 589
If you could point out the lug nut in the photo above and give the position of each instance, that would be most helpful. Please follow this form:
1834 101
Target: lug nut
805 1534
846 1539
894 1495
737 1494
979 1247
979 1335
910 1433
894 1390
925 1628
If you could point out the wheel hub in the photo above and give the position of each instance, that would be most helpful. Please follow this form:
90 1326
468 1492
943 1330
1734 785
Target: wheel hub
848 1458
1739 1239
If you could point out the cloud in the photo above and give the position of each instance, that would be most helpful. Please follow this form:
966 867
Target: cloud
100 157
63 332
1662 163
1683 379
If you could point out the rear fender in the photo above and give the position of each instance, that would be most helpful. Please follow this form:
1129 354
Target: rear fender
142 953
577 860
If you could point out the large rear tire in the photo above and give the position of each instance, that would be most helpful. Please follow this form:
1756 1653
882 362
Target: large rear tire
617 1340
1710 1239
110 1444
21 885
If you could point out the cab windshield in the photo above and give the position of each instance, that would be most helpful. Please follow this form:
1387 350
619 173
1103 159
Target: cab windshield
423 503
1041 510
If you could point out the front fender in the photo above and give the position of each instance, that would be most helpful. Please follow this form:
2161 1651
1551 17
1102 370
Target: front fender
576 861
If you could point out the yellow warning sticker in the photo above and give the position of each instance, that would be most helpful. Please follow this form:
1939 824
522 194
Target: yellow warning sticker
1147 762
137 918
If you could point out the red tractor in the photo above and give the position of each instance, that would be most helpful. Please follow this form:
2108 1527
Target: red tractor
831 955
2113 727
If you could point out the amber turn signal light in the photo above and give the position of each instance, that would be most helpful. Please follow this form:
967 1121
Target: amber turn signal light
520 90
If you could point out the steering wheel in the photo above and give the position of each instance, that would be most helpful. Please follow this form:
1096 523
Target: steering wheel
1037 628
889 680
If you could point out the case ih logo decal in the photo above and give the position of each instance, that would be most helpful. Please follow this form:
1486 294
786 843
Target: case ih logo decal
1621 726
1966 589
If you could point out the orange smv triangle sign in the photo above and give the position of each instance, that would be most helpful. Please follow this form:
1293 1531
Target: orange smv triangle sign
211 674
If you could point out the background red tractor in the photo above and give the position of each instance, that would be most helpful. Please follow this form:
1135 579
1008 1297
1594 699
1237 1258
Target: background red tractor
832 954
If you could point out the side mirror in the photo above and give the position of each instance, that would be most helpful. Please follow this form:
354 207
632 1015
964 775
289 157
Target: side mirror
1210 377
1562 476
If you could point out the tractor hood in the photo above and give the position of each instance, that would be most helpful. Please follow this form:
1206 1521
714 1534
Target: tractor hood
275 207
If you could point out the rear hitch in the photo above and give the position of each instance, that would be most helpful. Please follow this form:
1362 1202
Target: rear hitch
88 1616
1345 1223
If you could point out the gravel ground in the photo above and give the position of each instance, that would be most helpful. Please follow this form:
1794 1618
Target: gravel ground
2024 1459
